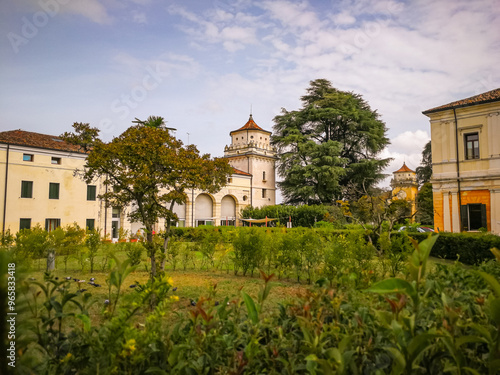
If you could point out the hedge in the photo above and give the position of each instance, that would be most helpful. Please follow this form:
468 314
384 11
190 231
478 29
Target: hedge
468 248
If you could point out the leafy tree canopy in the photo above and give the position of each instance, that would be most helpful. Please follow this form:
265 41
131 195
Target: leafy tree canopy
424 171
147 170
330 144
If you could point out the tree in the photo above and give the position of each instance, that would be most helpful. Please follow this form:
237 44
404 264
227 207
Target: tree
424 171
331 143
425 205
147 170
377 213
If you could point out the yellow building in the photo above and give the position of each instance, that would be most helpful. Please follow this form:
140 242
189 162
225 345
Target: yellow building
465 139
404 186
38 185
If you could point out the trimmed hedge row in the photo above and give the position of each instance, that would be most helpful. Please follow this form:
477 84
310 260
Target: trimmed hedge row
468 248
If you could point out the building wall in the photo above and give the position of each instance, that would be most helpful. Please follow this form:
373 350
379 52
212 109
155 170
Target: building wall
479 179
72 205
250 152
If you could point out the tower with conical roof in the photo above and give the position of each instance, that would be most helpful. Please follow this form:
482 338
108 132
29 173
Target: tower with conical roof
251 151
404 186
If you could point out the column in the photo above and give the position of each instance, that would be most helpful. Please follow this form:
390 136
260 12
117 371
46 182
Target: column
446 212
495 211
455 213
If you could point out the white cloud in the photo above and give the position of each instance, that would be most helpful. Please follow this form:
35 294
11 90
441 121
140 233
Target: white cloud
139 17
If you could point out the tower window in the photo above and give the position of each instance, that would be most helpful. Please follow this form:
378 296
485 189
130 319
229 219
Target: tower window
264 175
263 193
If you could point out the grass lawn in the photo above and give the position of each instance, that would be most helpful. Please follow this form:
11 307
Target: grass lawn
190 284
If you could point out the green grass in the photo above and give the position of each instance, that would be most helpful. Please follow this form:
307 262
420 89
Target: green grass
191 284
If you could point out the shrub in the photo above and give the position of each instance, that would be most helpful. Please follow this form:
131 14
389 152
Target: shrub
134 252
248 245
469 248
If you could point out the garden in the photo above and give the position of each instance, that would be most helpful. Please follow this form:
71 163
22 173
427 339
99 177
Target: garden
256 300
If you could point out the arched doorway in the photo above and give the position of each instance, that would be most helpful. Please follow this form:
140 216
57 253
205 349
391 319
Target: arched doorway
204 208
228 211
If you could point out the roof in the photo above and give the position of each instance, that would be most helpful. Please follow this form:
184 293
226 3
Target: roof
238 171
485 97
250 125
404 168
30 139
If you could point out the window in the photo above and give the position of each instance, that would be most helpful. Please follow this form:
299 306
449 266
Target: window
264 176
28 157
26 189
51 224
90 224
91 192
55 160
24 224
115 212
263 193
471 146
53 190
473 216
229 223
229 180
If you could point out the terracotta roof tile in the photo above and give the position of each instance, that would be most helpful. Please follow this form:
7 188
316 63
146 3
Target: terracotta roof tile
30 139
250 125
404 168
238 171
486 97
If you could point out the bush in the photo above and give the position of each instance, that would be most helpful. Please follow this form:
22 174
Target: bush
248 246
134 252
468 248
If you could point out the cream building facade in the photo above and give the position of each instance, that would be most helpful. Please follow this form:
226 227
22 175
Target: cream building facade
38 185
465 141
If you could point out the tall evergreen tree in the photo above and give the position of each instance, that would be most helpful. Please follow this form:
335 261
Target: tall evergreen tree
328 145
424 171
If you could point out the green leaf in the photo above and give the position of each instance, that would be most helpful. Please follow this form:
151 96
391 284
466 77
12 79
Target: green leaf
156 370
399 363
85 320
493 283
394 285
495 309
173 357
418 259
252 310
420 343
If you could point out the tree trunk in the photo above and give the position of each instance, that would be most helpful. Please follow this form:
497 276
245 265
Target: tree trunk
167 239
51 260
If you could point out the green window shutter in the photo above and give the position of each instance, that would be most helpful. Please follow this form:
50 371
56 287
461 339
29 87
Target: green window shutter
464 217
26 189
91 192
484 218
53 190
24 224
90 224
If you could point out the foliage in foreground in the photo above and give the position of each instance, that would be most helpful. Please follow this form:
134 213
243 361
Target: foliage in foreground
445 321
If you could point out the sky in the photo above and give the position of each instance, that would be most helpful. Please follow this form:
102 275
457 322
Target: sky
205 65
